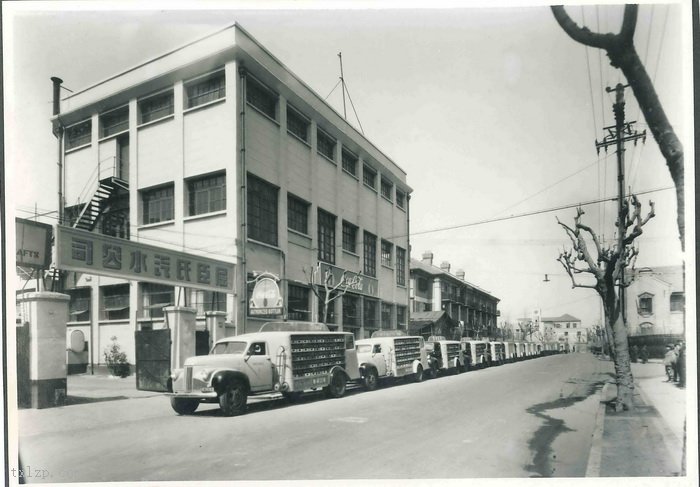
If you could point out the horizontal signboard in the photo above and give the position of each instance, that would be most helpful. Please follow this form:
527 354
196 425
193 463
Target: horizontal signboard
33 242
78 250
356 283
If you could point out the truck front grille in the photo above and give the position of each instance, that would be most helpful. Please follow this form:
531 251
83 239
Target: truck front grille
188 379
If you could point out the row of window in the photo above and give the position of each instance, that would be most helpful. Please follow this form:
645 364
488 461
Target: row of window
299 125
645 304
459 294
262 204
374 314
198 91
114 301
205 194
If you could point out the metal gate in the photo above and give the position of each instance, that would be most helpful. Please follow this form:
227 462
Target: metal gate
24 389
153 360
201 342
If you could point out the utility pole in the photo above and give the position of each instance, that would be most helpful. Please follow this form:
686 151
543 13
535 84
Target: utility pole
342 82
617 135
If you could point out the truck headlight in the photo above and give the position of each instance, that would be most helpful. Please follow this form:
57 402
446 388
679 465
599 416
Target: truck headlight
204 374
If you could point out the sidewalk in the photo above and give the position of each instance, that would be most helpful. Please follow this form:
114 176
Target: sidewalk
646 442
85 388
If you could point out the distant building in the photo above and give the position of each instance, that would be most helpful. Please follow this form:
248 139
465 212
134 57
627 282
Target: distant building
656 301
449 301
564 329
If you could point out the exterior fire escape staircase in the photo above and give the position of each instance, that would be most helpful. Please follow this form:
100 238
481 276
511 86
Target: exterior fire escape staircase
106 189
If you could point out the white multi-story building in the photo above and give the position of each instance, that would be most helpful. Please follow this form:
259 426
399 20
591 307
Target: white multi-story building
217 149
655 301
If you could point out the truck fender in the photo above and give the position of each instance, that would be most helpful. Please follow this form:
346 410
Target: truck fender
416 363
339 368
221 378
365 367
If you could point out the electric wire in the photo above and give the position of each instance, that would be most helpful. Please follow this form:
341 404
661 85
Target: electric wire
353 108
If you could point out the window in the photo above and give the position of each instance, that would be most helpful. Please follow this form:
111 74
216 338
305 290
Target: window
78 135
400 199
157 204
298 303
261 98
400 315
370 313
422 283
206 89
349 237
115 302
386 316
351 310
330 312
79 307
154 297
297 124
257 349
115 121
325 145
370 254
387 186
207 194
349 162
677 301
156 107
262 211
401 268
369 177
297 214
386 253
204 301
568 325
645 304
326 237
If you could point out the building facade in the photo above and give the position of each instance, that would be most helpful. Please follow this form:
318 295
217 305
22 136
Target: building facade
435 289
566 330
217 149
655 302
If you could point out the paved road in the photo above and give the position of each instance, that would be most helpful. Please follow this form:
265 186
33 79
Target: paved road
530 419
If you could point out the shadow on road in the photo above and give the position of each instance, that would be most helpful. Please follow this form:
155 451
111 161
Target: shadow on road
73 400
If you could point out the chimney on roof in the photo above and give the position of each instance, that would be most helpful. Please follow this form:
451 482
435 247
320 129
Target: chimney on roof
427 258
56 94
445 266
460 274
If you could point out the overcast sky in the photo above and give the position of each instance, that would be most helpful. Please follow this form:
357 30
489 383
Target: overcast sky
490 111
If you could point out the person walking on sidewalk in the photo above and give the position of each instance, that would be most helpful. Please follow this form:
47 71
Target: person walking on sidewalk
644 354
634 353
680 364
670 362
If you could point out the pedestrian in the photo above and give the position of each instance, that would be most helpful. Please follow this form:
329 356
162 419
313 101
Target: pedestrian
634 353
669 362
681 365
644 354
676 365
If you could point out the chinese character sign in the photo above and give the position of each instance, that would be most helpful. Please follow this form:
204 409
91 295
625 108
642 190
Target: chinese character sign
82 251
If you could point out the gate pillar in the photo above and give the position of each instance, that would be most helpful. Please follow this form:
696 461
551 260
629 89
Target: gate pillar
47 315
216 324
181 321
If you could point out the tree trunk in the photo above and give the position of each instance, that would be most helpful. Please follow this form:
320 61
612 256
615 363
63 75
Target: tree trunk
623 370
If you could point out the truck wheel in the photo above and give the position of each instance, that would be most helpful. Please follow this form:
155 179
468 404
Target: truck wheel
234 398
419 374
336 388
184 406
371 379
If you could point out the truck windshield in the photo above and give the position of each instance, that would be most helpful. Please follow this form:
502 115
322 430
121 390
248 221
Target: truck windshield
229 347
364 348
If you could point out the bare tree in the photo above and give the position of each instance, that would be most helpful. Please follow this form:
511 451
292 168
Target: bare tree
331 290
607 267
620 49
526 328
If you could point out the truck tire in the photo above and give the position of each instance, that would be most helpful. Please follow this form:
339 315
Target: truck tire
183 406
371 379
233 399
336 388
419 374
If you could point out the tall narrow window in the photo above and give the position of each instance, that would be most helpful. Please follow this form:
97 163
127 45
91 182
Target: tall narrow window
297 214
387 188
78 135
370 313
262 210
386 253
351 310
386 316
155 297
401 267
370 254
156 107
207 194
158 204
325 145
349 162
326 237
369 177
297 124
298 303
205 89
349 237
115 302
400 315
79 308
261 97
400 199
677 301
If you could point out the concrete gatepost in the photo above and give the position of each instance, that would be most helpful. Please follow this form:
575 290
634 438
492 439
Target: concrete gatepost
48 315
216 324
181 321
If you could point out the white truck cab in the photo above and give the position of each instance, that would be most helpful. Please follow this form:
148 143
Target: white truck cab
479 351
286 357
445 356
390 353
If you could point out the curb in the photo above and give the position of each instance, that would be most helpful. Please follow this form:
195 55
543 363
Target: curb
595 456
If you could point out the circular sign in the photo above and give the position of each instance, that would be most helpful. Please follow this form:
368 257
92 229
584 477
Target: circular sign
266 298
77 341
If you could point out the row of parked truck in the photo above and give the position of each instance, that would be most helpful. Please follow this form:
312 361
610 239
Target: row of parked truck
293 357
